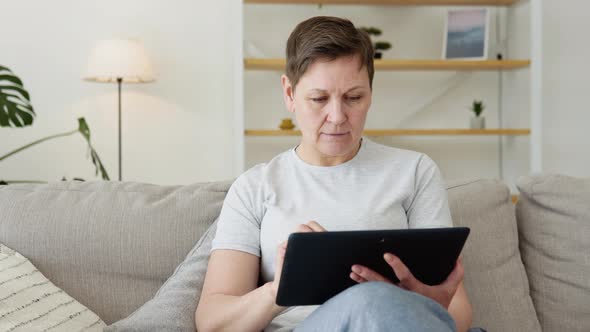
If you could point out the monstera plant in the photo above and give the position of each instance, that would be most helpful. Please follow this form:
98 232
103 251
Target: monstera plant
16 111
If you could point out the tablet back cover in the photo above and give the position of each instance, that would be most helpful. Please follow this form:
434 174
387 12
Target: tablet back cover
317 265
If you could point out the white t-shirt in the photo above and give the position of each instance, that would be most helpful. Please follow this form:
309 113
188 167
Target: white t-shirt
380 188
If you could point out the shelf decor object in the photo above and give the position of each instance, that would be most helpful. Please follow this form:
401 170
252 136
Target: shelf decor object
466 34
119 61
378 46
286 124
477 121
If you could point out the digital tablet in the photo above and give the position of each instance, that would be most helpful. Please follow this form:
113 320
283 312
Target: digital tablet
317 266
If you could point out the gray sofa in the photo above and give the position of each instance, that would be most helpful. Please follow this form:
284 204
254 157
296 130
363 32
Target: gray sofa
136 254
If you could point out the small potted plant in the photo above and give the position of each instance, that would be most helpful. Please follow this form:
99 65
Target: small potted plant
379 45
478 121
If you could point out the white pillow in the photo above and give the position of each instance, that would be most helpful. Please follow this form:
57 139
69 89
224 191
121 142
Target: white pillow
30 302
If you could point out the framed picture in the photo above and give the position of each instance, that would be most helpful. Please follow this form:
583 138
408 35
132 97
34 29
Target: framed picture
466 34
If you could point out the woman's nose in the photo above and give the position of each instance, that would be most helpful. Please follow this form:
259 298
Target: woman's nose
336 112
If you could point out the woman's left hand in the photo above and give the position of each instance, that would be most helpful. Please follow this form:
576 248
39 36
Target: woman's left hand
442 293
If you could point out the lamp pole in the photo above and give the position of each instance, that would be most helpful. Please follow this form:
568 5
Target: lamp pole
119 82
118 60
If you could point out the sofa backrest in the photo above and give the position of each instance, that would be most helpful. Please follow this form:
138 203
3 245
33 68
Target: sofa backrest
110 245
554 225
495 278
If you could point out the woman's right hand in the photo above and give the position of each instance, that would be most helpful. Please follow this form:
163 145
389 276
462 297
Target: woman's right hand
310 227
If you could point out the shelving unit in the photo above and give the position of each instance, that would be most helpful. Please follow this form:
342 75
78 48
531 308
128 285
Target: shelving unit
393 2
533 65
454 65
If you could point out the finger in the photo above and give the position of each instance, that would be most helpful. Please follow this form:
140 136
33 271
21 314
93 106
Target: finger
283 245
279 259
281 250
303 228
315 226
405 276
368 274
357 278
456 276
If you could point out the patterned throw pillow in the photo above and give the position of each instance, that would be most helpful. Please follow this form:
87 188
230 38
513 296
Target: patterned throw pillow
30 302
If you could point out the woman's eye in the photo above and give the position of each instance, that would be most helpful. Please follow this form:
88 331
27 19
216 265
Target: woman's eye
319 99
354 98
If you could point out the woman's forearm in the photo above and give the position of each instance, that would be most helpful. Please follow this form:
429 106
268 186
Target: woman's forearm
250 312
461 312
462 321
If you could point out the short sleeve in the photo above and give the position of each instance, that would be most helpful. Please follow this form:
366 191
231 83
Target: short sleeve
430 204
239 222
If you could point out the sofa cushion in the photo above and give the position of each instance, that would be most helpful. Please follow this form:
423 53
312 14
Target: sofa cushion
554 225
30 302
174 305
110 245
495 278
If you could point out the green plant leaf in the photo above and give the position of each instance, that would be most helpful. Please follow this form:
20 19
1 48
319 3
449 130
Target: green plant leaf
373 31
477 107
15 103
382 45
10 78
85 131
82 129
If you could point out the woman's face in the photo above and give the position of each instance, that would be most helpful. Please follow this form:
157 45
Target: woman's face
330 103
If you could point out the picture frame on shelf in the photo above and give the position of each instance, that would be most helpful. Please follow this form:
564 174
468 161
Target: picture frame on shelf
466 34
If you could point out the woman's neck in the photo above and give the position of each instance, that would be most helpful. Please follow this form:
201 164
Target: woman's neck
313 156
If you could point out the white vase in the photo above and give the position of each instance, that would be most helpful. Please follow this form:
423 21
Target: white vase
478 122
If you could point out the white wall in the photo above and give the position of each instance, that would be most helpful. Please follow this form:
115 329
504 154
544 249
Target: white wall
566 116
179 129
176 130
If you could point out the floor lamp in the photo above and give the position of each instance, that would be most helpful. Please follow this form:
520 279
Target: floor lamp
119 61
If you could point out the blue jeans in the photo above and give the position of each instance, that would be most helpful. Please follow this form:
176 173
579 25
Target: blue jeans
378 306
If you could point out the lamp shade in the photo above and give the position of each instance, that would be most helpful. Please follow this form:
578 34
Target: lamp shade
119 58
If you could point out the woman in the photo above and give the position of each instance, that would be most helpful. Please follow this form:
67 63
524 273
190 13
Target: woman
335 180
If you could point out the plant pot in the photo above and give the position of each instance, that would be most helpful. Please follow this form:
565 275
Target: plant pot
478 122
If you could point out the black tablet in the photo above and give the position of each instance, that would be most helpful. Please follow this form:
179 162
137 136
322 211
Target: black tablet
317 266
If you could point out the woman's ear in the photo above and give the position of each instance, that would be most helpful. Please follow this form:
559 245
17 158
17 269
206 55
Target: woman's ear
288 93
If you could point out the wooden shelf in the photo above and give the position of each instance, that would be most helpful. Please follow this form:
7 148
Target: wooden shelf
454 65
403 132
392 2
